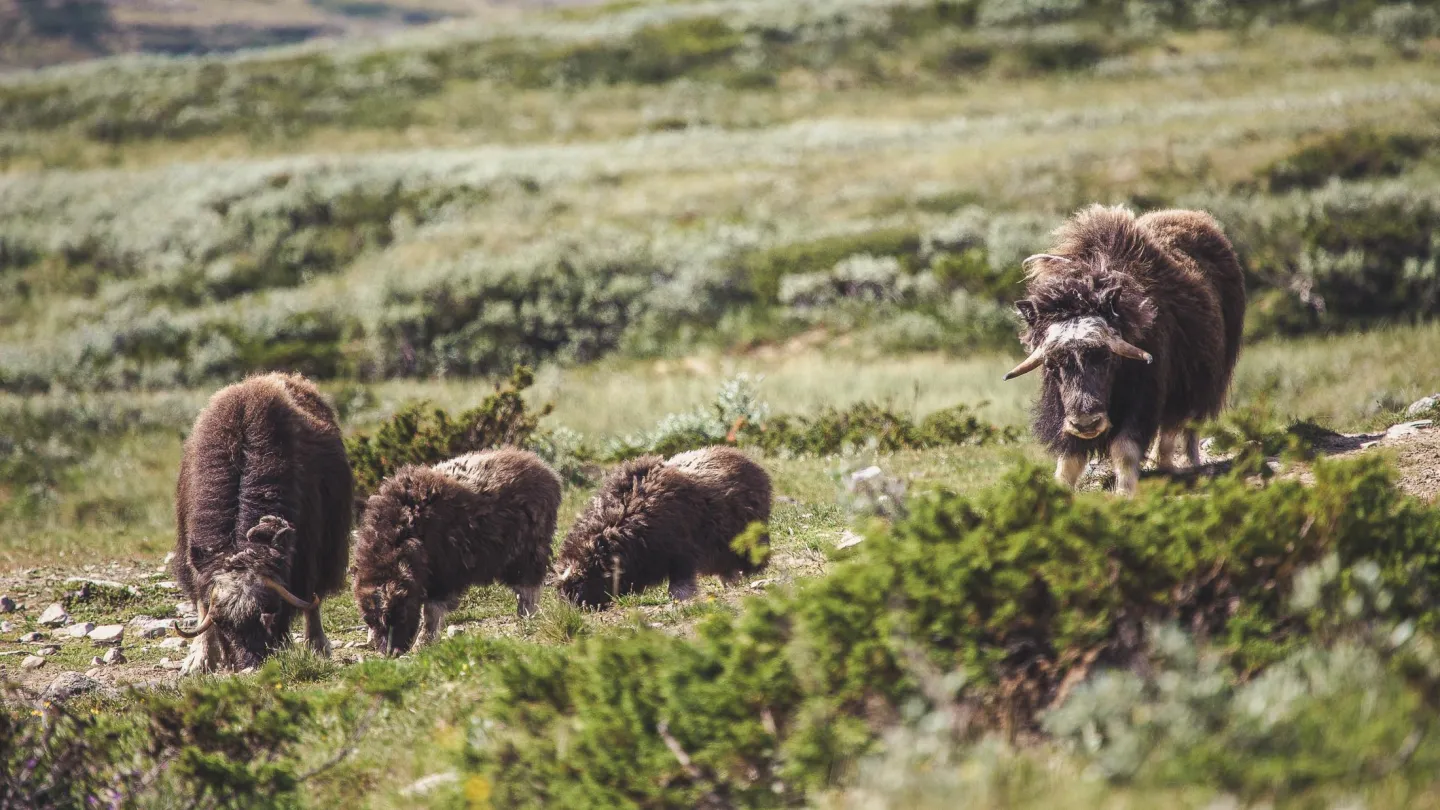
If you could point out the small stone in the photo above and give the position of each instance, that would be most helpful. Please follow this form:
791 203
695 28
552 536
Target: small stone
762 584
7 627
69 684
55 616
173 643
169 555
184 608
93 672
80 629
32 662
7 605
1407 428
429 784
156 628
31 638
848 539
865 474
48 650
166 663
1423 406
452 631
109 634
114 656
97 661
168 585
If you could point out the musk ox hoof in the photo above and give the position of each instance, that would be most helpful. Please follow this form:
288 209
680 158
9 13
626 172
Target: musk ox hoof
528 600
198 662
683 591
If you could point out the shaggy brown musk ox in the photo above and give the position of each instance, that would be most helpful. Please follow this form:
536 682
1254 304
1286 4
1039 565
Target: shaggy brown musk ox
1137 323
430 533
262 513
655 520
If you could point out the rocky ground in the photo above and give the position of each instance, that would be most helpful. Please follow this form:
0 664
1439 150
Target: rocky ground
103 626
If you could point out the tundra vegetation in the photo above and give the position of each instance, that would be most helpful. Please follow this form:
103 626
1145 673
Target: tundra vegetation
796 228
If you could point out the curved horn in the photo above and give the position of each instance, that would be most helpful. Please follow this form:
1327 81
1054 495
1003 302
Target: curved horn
288 596
1038 256
199 628
1118 345
1030 364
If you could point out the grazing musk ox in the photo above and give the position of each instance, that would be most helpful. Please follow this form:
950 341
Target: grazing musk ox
262 513
430 533
655 520
1137 323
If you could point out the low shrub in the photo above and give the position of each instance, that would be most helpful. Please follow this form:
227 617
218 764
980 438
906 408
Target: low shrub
1021 591
1352 154
421 434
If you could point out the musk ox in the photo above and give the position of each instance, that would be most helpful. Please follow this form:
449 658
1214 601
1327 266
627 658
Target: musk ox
1136 322
262 513
430 533
655 520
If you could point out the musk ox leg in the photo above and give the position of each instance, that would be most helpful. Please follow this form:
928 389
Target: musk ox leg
435 613
1068 469
1192 448
315 632
528 599
1125 455
683 589
1165 451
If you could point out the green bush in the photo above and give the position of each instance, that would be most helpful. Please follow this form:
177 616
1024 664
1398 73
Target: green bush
1021 589
421 434
1352 154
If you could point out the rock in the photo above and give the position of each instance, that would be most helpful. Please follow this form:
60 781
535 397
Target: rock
80 630
114 656
97 661
55 616
166 663
1421 407
422 786
184 608
7 605
865 474
762 584
848 539
7 627
168 585
93 672
169 555
48 650
31 638
1407 428
69 684
452 631
156 628
32 662
109 634
173 643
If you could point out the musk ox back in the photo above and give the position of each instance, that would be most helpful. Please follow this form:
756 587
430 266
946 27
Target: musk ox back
655 520
430 533
1136 323
262 514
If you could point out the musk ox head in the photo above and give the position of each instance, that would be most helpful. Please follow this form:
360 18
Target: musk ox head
243 601
1080 326
589 582
392 611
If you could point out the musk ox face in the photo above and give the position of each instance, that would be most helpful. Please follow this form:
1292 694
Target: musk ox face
246 595
591 586
392 610
1074 330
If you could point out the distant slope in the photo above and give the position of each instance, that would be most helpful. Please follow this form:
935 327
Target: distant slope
36 33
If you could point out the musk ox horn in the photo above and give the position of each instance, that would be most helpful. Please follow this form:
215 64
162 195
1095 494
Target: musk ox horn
566 574
288 596
1118 345
205 622
1038 256
1030 364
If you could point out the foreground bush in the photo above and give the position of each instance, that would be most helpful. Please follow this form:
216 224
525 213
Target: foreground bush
1019 591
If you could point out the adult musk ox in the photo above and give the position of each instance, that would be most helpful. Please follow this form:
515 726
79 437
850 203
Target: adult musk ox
655 520
1136 323
262 513
430 533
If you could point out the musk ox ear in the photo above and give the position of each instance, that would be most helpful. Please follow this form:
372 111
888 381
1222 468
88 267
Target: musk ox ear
1027 311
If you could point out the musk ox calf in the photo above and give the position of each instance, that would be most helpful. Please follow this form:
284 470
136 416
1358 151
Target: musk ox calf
432 532
655 520
262 513
1137 325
